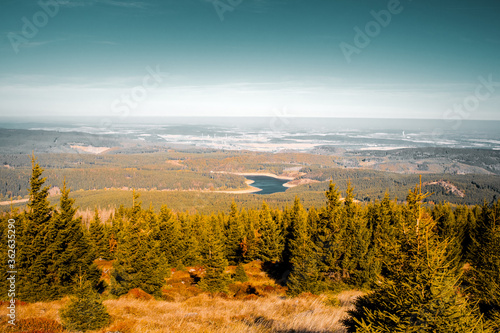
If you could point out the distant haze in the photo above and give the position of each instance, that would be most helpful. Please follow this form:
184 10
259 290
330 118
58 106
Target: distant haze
271 134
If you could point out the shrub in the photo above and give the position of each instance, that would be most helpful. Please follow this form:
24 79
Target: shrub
240 275
85 310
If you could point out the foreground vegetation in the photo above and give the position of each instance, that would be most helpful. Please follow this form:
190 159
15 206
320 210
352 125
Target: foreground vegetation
429 269
203 313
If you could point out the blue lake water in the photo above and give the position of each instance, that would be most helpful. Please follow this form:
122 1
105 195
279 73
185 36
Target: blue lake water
268 185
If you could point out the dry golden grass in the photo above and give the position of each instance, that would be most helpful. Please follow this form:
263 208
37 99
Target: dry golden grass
256 306
204 313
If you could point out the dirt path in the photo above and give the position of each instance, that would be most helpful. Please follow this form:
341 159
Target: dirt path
5 203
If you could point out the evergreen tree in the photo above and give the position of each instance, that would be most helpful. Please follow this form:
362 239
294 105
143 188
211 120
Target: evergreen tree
381 220
170 237
138 261
328 236
353 258
240 275
251 240
466 219
85 310
419 293
449 230
304 276
34 256
484 277
191 230
271 240
97 238
215 279
234 232
69 247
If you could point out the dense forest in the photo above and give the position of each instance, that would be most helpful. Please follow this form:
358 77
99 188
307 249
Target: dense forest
428 268
211 171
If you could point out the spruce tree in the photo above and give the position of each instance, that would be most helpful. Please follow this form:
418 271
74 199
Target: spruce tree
420 291
271 240
138 262
304 276
328 236
171 237
239 274
250 245
85 310
34 256
450 230
97 238
484 276
234 235
354 261
191 239
69 247
215 279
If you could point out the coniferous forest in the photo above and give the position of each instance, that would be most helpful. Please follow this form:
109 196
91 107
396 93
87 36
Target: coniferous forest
422 268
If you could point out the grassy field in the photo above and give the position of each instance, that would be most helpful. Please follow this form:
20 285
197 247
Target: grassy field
204 313
258 305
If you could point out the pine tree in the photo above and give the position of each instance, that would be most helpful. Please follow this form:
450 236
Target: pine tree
234 232
138 261
381 220
170 237
97 238
484 277
191 229
239 274
85 310
304 276
419 293
466 219
215 279
251 240
354 261
449 230
271 240
34 257
328 236
69 247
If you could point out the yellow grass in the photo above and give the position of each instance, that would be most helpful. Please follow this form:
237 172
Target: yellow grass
204 313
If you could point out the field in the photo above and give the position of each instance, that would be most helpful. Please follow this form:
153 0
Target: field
258 309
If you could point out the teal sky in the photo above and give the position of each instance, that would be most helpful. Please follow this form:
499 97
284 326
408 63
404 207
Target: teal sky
250 57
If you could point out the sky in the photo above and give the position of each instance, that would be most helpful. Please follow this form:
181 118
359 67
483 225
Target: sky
297 58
